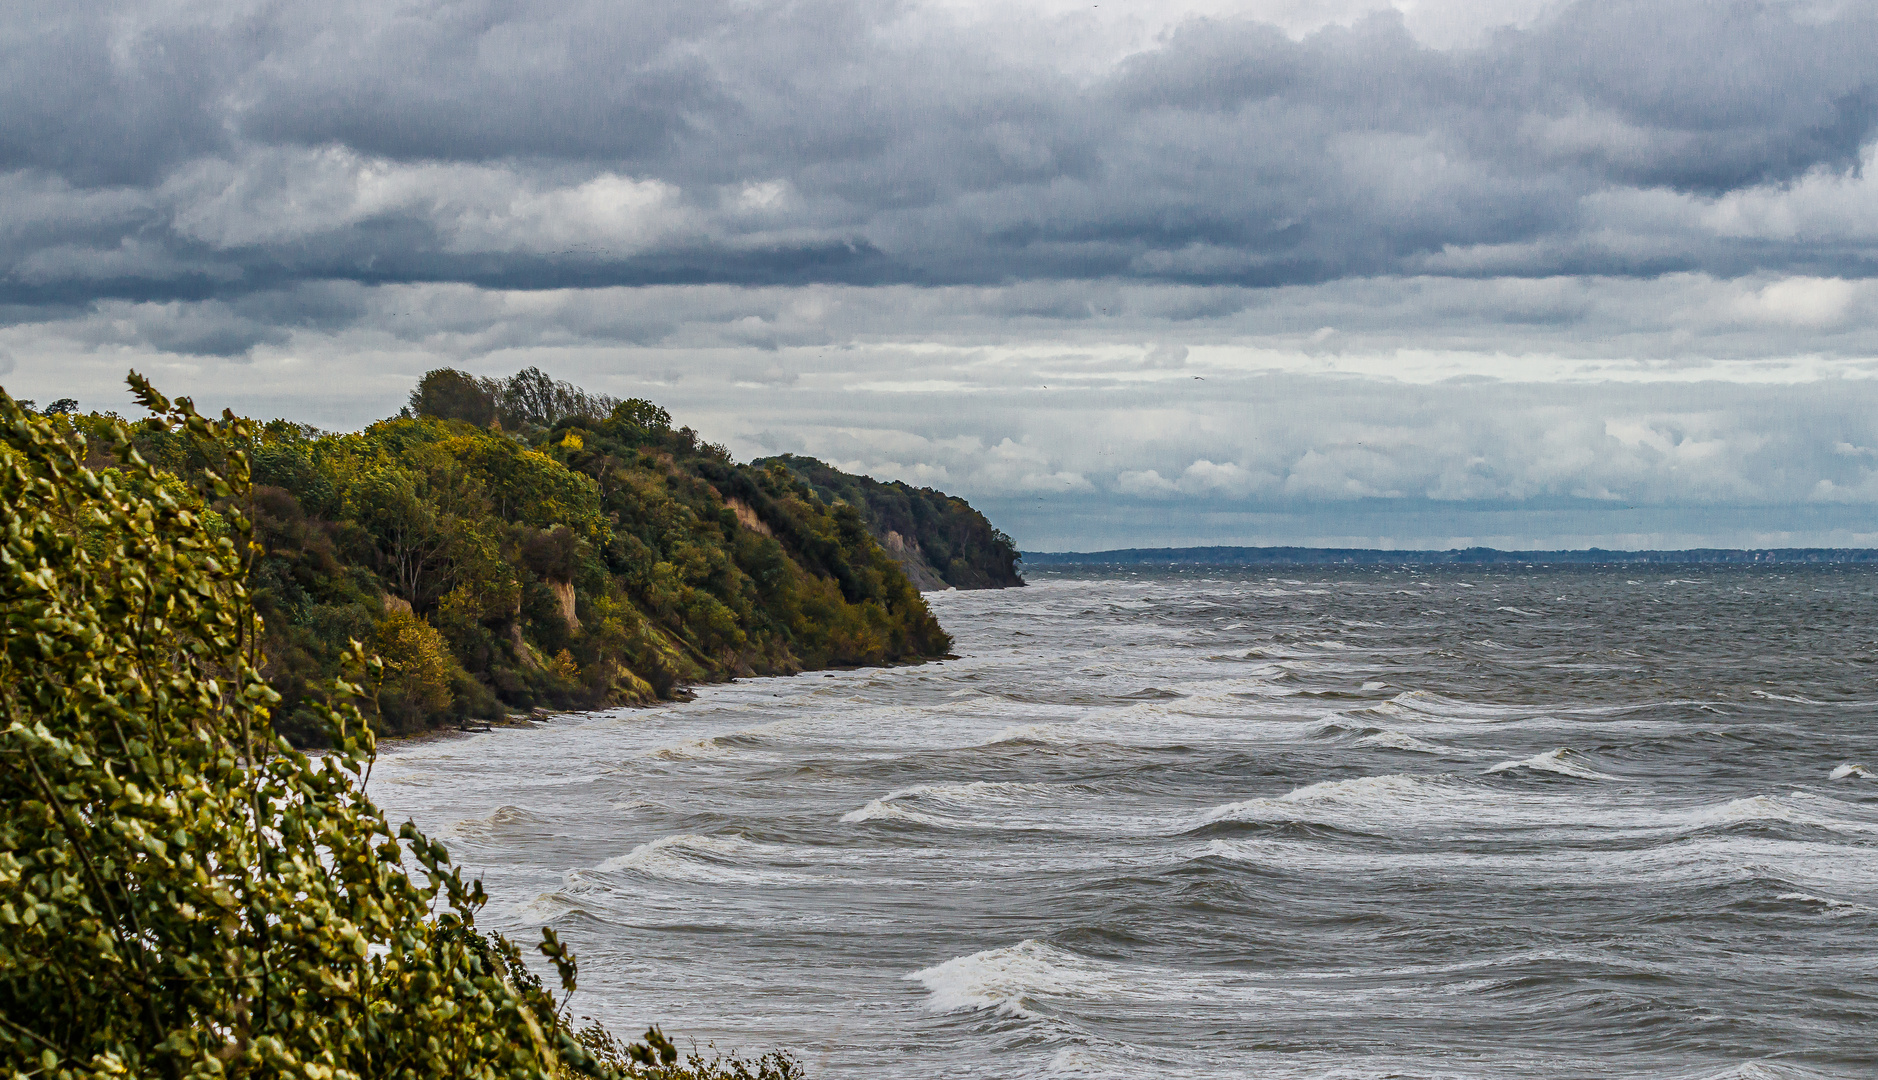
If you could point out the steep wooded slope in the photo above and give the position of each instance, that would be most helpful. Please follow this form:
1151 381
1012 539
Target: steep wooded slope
553 549
938 539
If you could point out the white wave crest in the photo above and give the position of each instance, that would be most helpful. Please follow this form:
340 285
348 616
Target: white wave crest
1395 740
1765 1070
1561 761
978 793
694 858
1837 909
1364 795
1006 979
1798 808
544 909
503 820
1043 733
1362 789
882 810
1795 699
1422 705
689 750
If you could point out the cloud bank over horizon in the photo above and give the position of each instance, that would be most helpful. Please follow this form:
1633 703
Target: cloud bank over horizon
1538 274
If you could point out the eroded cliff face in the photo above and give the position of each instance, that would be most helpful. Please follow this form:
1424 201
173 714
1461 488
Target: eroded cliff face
913 562
746 516
564 599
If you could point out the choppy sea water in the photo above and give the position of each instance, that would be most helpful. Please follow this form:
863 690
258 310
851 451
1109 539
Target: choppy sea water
1351 824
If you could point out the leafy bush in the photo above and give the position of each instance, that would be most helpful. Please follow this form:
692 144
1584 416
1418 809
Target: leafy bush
183 894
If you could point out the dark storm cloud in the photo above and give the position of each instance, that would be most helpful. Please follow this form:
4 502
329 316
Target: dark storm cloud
209 152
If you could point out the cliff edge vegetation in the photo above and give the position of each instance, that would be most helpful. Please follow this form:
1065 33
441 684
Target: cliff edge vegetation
514 544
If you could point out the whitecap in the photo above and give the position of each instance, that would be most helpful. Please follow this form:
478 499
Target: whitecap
504 820
1795 699
1043 733
1395 740
695 858
1772 808
1007 979
1837 909
1559 761
948 796
1361 798
1362 789
881 810
544 909
1421 705
689 750
1763 1070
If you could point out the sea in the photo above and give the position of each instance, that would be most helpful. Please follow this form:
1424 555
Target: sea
1375 822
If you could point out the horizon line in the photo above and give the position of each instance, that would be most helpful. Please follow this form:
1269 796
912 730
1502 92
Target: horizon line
1232 555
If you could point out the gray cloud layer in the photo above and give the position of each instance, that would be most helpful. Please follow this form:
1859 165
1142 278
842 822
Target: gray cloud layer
1605 274
1423 411
209 150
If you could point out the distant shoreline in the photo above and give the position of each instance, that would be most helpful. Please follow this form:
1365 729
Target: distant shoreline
1476 556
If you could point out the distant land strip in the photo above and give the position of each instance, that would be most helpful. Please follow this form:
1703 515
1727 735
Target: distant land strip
1306 556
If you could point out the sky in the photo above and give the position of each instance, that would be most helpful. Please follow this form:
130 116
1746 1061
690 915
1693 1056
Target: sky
1520 273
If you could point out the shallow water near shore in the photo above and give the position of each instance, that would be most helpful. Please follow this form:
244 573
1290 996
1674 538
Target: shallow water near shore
1485 822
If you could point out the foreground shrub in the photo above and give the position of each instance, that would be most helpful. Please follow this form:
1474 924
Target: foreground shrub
182 894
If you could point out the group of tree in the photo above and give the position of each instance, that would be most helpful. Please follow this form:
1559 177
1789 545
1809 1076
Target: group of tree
506 545
183 894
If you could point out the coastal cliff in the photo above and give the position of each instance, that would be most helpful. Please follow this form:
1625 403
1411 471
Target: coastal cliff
514 544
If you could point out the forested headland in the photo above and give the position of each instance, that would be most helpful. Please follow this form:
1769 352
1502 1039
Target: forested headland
511 544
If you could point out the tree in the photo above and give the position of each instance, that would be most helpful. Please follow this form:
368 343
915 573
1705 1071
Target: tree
531 397
411 531
448 394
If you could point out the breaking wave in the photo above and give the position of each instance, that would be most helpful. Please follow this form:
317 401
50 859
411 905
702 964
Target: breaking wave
1563 761
1011 979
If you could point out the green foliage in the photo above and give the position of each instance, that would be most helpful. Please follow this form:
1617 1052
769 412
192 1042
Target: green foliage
183 894
920 526
417 664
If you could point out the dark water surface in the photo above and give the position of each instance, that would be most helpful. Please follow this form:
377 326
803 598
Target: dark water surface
1487 822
